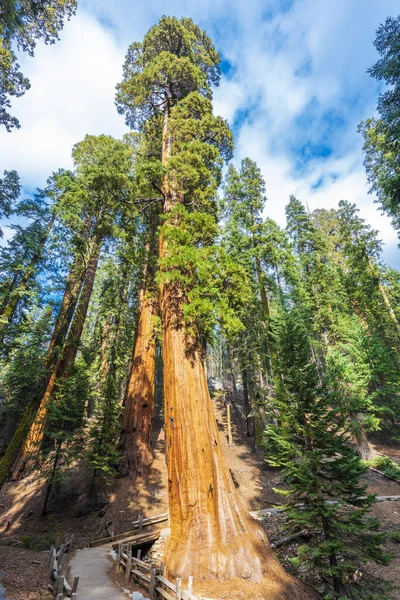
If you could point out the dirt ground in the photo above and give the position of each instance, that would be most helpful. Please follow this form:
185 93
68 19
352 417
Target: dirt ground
24 573
21 502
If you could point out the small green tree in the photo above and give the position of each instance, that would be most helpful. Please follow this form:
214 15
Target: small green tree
324 492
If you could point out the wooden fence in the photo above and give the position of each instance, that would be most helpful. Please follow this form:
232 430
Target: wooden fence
62 588
137 528
151 576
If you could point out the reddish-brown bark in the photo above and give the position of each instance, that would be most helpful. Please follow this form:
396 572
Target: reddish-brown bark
64 361
136 431
212 536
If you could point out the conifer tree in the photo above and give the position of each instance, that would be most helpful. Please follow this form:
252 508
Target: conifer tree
322 473
92 202
167 79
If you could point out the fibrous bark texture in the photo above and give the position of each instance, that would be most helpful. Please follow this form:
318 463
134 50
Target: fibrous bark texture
136 431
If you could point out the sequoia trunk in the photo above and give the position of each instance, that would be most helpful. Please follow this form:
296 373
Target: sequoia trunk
212 536
136 431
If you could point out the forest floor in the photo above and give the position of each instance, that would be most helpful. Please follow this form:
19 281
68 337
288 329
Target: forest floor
25 534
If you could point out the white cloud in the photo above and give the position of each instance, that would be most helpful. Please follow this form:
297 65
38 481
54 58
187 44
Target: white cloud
72 93
302 59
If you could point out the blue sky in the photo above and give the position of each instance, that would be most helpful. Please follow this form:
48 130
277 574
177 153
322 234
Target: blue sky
294 90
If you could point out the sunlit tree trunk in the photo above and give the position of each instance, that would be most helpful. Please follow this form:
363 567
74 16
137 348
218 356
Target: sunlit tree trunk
212 536
63 363
136 430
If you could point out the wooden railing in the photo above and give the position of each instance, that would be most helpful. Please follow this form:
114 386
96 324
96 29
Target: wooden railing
151 576
62 588
138 526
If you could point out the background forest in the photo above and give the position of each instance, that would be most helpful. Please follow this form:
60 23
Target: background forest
152 264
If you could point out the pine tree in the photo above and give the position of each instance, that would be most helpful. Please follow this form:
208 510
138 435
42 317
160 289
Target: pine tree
381 136
324 492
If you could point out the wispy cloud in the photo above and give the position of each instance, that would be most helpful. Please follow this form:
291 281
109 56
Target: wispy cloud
294 90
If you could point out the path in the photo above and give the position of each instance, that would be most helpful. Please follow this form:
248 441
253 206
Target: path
91 566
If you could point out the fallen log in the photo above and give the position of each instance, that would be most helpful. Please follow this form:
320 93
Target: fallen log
290 538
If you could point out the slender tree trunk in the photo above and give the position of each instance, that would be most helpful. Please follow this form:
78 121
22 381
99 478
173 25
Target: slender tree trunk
52 361
18 290
385 297
246 401
212 536
137 418
62 365
52 476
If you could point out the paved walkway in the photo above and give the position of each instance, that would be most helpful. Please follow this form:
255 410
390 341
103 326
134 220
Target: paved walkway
91 566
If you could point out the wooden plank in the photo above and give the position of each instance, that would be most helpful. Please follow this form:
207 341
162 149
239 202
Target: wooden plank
141 564
190 584
119 557
128 564
152 520
166 582
67 588
178 594
142 539
146 522
140 575
52 562
75 585
161 592
153 582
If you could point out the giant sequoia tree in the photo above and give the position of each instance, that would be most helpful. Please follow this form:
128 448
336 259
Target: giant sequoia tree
167 80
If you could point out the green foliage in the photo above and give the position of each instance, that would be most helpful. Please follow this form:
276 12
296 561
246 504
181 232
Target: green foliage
381 136
42 542
213 285
175 58
386 465
10 189
322 473
22 23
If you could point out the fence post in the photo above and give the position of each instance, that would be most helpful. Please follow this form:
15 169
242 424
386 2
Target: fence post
75 586
178 595
140 522
119 556
190 584
61 553
139 554
152 585
162 568
58 586
128 563
52 561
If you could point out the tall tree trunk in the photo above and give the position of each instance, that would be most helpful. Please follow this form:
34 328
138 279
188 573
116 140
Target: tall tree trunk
246 402
384 296
62 365
136 430
53 357
212 536
18 289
